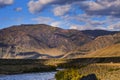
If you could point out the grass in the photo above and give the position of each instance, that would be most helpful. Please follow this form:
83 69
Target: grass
103 71
111 51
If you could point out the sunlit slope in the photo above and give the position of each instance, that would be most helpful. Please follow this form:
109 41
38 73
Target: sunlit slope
110 51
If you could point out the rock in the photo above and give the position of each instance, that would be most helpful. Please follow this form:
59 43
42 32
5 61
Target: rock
89 77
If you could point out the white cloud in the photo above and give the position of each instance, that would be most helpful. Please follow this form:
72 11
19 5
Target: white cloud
86 27
108 9
4 3
49 21
85 22
100 7
74 27
61 10
56 24
115 26
79 27
18 9
37 6
43 20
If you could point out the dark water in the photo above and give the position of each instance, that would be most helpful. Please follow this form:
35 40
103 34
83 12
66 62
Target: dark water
30 76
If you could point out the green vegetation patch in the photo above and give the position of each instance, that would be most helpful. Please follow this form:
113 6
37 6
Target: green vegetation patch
69 74
73 74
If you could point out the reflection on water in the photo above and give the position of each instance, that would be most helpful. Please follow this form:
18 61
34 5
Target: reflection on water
32 76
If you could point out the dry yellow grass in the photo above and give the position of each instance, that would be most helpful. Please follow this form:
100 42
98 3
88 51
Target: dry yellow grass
51 52
111 51
109 71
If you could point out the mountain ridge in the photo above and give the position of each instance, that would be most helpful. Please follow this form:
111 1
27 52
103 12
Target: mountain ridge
44 41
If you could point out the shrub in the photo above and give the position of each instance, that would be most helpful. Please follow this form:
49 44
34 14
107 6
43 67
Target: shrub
71 74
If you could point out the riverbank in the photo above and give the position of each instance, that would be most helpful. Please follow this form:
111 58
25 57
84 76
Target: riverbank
18 66
19 69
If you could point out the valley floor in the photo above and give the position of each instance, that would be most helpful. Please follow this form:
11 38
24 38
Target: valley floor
104 68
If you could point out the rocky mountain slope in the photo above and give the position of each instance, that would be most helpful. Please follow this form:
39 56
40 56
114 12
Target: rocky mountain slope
105 46
101 42
44 41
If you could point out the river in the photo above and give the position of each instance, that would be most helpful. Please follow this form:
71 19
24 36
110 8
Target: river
30 76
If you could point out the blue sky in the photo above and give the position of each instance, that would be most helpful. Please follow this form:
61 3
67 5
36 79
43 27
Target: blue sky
67 14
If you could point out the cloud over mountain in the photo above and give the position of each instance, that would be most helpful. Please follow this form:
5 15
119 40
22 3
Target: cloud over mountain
78 14
72 9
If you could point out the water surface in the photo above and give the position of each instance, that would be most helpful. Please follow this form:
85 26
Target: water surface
30 76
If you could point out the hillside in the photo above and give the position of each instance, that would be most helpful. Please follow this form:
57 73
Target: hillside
101 46
39 41
113 50
101 42
44 41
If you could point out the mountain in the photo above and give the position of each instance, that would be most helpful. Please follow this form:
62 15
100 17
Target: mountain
100 46
101 42
97 33
36 41
44 41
